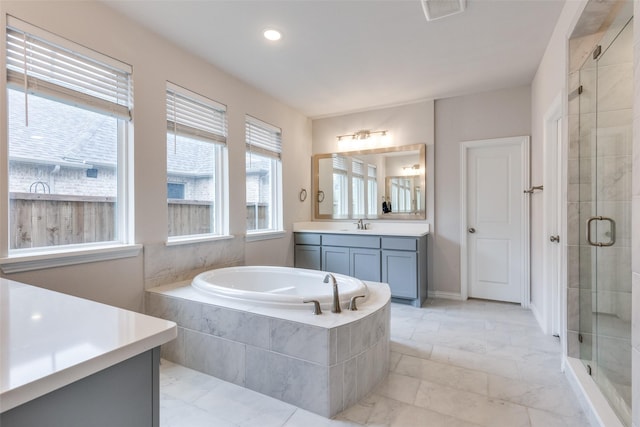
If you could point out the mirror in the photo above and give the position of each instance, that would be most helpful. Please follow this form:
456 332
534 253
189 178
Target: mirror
382 183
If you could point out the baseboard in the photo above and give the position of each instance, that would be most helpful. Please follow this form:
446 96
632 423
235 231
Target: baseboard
598 411
538 317
445 295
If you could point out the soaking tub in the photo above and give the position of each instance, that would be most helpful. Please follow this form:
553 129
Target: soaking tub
279 286
248 326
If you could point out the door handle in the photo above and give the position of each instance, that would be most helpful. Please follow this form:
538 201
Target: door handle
555 239
613 231
471 230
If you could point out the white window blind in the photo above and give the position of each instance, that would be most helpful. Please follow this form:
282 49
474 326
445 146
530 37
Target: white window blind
194 116
44 64
372 171
340 163
263 138
357 167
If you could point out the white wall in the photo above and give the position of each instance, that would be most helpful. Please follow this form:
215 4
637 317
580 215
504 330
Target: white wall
495 114
155 61
549 82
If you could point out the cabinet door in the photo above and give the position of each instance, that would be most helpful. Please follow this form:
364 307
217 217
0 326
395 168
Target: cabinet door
335 259
307 257
365 264
400 271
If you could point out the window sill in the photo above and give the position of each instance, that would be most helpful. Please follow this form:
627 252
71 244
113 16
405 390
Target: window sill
185 240
60 257
265 235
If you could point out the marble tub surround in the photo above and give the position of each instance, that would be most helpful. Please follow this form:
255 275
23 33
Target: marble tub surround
323 364
377 228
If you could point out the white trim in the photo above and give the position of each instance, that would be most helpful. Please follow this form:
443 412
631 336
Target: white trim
523 142
595 403
550 152
187 240
446 295
264 235
66 256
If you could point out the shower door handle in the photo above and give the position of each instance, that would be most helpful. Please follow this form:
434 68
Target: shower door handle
613 231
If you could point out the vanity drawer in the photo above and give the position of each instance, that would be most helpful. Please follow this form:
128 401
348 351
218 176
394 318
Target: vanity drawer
351 241
307 239
400 243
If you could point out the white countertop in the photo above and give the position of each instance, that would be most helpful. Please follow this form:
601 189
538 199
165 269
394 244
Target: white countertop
49 340
379 228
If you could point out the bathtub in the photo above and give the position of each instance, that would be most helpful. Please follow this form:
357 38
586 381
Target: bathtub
243 325
279 286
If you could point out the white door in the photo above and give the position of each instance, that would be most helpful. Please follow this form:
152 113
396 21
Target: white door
496 219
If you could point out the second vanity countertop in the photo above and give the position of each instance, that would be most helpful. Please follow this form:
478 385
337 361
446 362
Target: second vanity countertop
411 229
49 340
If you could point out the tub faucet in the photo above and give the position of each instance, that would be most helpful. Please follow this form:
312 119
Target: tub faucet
335 307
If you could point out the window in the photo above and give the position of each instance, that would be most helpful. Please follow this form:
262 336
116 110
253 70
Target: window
357 188
196 164
372 190
340 187
68 117
264 176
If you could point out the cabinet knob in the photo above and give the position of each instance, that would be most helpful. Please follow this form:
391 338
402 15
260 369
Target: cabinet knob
471 230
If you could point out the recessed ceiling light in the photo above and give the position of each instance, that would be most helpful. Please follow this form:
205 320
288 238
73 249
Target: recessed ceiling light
271 34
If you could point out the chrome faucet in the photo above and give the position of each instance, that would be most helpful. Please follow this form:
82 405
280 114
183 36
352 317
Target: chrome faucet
335 307
360 224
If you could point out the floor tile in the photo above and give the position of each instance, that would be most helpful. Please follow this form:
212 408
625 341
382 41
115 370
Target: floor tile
452 364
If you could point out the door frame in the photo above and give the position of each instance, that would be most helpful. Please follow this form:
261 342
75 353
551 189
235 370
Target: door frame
553 158
523 143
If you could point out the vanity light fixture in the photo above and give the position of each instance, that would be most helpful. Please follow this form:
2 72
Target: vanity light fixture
362 134
272 35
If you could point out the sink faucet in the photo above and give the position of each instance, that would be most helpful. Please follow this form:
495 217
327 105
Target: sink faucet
335 307
360 224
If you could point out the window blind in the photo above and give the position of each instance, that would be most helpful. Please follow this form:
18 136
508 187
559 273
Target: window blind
372 171
357 167
194 116
37 64
263 138
340 163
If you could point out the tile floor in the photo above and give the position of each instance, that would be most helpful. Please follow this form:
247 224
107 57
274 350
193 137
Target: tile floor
453 364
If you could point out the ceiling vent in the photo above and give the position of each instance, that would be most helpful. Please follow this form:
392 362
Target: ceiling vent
436 9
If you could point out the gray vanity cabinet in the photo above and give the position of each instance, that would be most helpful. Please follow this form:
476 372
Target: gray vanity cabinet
397 260
307 251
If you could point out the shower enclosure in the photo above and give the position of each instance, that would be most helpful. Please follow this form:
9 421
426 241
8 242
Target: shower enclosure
603 166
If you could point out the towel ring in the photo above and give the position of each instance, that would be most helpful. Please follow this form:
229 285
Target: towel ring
303 195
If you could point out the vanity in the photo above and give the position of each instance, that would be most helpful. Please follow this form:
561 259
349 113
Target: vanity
71 362
393 253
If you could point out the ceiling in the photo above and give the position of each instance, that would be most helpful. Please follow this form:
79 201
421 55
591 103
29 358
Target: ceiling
352 55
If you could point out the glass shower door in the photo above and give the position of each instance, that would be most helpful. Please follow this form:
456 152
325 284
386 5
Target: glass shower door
605 213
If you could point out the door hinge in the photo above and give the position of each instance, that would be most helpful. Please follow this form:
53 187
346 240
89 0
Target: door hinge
580 90
597 51
579 337
589 369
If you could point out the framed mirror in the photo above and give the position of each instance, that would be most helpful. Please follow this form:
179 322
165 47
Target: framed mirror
381 183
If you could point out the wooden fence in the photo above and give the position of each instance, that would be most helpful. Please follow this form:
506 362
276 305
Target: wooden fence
39 220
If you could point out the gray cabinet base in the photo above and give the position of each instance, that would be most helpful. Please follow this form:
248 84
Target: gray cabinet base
123 395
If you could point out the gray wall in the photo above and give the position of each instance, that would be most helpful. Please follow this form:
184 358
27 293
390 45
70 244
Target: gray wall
495 114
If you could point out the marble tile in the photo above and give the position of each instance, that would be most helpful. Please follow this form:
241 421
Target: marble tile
350 383
244 407
174 413
174 349
306 342
470 407
343 347
221 358
235 325
475 361
402 388
541 418
185 313
291 380
453 376
336 388
411 347
547 397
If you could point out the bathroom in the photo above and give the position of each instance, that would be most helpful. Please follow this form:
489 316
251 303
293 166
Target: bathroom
440 124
